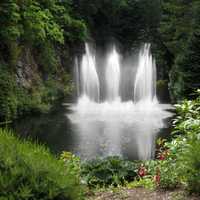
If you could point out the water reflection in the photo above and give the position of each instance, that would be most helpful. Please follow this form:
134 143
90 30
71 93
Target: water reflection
125 129
92 130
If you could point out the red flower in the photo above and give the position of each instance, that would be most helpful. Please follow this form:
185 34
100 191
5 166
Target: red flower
161 156
142 171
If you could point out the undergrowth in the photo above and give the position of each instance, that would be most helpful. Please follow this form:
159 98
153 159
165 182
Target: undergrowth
29 171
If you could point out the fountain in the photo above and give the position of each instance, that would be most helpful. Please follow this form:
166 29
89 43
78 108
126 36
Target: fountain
89 77
77 77
112 126
145 82
112 76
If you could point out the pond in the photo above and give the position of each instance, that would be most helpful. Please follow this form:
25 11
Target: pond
99 130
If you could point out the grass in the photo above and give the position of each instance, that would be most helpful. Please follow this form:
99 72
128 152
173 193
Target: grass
30 171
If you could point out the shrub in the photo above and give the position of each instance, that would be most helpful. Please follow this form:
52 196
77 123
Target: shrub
30 171
147 183
16 100
190 159
109 171
47 58
188 124
8 100
182 164
169 175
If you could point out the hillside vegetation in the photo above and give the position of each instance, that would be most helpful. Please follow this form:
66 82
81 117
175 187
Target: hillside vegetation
36 53
39 40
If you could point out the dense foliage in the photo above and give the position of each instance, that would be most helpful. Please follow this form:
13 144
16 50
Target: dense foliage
16 100
109 171
188 126
8 101
30 171
38 22
34 37
179 32
125 21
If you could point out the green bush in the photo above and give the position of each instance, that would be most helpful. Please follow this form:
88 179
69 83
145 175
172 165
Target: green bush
10 17
190 159
47 58
147 183
182 164
169 175
170 167
16 100
8 100
32 102
30 171
188 123
109 171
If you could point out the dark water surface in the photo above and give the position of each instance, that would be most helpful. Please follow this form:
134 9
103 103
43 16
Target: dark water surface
90 136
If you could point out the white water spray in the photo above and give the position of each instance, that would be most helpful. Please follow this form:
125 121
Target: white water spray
89 76
145 82
77 77
113 76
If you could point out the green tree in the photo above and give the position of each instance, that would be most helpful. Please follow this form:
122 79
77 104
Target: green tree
179 32
9 20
